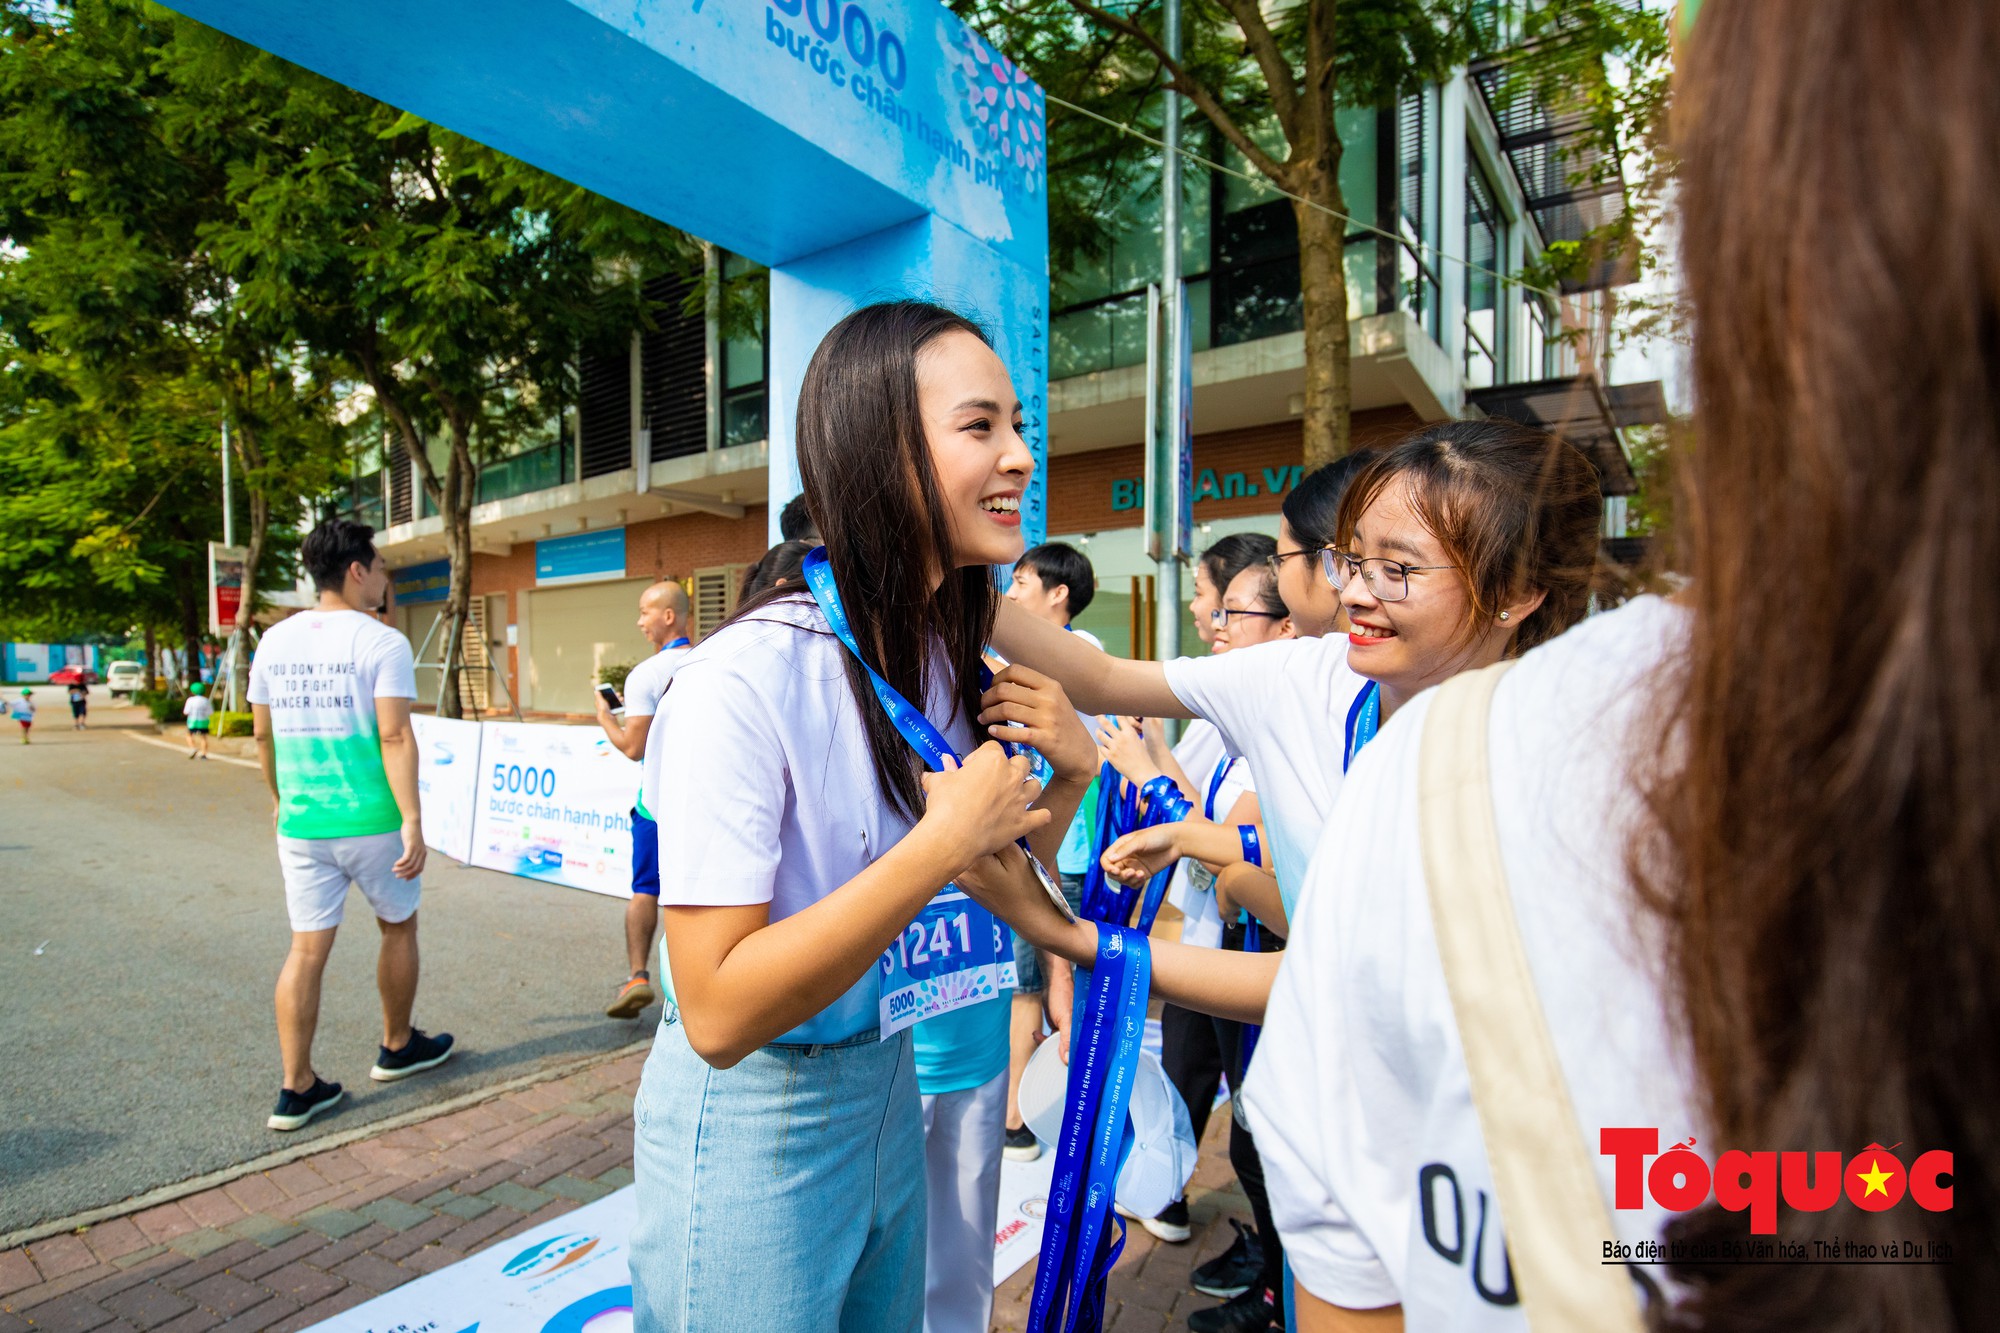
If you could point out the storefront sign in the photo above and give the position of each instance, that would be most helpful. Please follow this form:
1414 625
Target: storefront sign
586 557
428 582
554 803
1130 492
447 781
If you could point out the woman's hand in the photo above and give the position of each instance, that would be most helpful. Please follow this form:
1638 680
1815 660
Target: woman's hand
1126 750
1005 885
979 807
1141 854
1047 721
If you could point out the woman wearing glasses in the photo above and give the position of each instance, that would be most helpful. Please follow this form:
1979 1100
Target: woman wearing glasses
1468 542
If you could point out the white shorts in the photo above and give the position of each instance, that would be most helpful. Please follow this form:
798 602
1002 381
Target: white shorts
318 871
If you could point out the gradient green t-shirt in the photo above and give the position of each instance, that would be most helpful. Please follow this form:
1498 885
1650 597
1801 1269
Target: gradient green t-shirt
320 673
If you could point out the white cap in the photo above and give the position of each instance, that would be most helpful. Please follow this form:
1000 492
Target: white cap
1163 1151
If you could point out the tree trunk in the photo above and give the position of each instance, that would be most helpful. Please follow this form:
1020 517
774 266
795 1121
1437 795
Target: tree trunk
152 659
1329 393
191 618
460 476
250 453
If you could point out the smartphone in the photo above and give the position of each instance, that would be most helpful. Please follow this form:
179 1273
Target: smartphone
610 697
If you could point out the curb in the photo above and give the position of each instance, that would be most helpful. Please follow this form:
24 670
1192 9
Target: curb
181 1189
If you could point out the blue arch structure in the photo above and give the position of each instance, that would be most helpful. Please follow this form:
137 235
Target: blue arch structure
863 149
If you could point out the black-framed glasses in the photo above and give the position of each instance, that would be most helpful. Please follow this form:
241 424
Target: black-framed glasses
1276 562
1388 580
1219 617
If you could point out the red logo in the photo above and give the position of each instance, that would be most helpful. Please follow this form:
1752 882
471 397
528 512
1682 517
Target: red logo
1681 1179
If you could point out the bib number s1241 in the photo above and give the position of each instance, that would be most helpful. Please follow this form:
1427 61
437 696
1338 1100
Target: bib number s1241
954 954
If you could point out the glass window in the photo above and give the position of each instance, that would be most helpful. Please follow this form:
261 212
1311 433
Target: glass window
1483 256
745 368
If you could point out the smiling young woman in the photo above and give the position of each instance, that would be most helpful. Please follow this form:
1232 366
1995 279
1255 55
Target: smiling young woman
780 1149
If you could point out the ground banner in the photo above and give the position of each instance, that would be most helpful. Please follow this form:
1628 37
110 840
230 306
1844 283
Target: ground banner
553 804
565 1276
447 781
573 1274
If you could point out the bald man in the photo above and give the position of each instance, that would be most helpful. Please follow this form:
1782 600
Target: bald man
664 619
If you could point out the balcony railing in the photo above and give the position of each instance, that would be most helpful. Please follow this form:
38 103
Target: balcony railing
553 464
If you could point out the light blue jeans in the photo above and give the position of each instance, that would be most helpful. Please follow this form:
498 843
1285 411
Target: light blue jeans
786 1193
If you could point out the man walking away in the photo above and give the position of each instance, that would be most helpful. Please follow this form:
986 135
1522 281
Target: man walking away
79 706
331 689
664 618
198 709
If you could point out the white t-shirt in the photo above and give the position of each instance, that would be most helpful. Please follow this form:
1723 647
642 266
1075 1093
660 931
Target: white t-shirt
645 686
1199 753
198 708
320 673
1283 706
759 773
1359 1096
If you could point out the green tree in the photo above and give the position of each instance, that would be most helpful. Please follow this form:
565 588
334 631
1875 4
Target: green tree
1269 79
112 187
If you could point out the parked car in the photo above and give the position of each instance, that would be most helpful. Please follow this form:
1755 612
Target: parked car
75 675
125 678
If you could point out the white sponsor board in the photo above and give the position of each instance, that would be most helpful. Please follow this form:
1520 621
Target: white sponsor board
447 781
565 1276
1024 1203
554 803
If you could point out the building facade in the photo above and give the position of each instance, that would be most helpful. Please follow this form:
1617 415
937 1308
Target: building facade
658 468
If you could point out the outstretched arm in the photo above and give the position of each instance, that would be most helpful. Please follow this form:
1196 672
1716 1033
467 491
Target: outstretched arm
1096 681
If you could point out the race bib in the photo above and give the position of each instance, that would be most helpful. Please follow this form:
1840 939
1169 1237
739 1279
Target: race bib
956 953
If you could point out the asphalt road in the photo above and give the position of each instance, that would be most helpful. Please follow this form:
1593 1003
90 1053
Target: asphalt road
142 925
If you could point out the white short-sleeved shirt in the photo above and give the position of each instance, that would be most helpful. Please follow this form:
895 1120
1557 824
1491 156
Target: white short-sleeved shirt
1359 1096
1199 753
199 708
759 774
645 686
320 673
1283 706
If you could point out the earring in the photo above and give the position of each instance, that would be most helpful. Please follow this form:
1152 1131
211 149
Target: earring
1505 614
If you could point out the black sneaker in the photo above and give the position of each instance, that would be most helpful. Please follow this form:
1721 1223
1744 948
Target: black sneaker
1255 1311
295 1108
1171 1225
419 1053
1232 1272
1022 1145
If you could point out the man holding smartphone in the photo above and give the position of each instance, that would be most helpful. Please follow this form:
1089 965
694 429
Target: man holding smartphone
664 618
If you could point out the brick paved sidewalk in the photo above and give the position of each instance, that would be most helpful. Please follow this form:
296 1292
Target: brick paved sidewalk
285 1248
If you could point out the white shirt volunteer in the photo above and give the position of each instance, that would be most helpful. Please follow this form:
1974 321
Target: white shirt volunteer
199 708
1362 1110
320 673
645 686
759 773
1199 751
1283 706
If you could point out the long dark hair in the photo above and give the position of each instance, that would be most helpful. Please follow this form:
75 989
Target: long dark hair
1312 508
1514 508
873 495
1825 848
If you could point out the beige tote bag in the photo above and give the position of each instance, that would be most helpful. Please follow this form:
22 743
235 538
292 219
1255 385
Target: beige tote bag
1554 1214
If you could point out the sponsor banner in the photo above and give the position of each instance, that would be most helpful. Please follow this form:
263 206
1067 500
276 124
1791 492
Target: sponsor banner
428 582
447 779
565 1276
554 803
573 1274
225 585
586 557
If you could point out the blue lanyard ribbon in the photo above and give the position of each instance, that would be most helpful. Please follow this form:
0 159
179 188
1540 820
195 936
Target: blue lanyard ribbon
1215 782
1364 719
1078 1250
681 642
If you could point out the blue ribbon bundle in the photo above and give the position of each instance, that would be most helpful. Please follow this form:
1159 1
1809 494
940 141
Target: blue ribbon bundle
1078 1247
